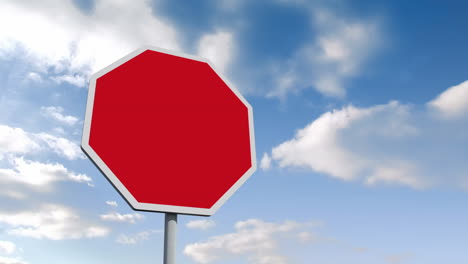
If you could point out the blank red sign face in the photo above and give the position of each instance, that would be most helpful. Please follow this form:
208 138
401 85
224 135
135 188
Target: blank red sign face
170 131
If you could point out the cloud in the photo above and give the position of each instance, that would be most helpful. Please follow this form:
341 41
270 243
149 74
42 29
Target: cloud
401 174
123 218
15 144
218 48
5 260
56 113
317 145
200 224
61 146
39 175
50 221
320 147
265 163
453 102
71 46
16 141
59 130
7 247
392 144
255 239
112 203
13 194
73 79
34 76
136 238
338 52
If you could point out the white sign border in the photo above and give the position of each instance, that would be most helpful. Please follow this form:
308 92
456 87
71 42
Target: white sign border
116 182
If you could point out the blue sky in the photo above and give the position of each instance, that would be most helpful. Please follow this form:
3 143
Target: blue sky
361 120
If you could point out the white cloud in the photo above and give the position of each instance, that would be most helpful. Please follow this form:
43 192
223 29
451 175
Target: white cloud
218 48
403 174
265 163
74 44
13 194
7 247
200 224
59 130
112 203
39 175
56 113
34 76
323 146
15 144
339 51
136 238
50 221
15 141
5 260
317 147
62 146
74 79
453 102
255 239
269 259
117 217
392 144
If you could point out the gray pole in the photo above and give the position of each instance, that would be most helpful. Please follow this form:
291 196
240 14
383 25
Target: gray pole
170 228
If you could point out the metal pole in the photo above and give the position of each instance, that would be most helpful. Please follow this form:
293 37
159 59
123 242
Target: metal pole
170 228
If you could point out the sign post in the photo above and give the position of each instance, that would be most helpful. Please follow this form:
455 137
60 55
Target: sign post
170 230
170 134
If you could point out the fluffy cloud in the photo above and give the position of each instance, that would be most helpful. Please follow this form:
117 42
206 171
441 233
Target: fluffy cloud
453 102
124 218
56 113
200 224
61 146
265 163
7 247
255 239
392 143
39 175
73 79
34 76
218 48
5 260
74 44
50 221
317 146
136 238
18 171
339 51
320 147
403 173
16 141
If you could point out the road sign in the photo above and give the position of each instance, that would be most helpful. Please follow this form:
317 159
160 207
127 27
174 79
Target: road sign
169 132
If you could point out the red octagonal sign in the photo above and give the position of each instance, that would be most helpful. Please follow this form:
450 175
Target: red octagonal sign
169 132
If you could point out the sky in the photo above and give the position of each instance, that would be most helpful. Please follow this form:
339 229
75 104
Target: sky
361 120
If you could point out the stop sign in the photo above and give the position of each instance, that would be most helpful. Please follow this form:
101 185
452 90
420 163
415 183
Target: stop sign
169 132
